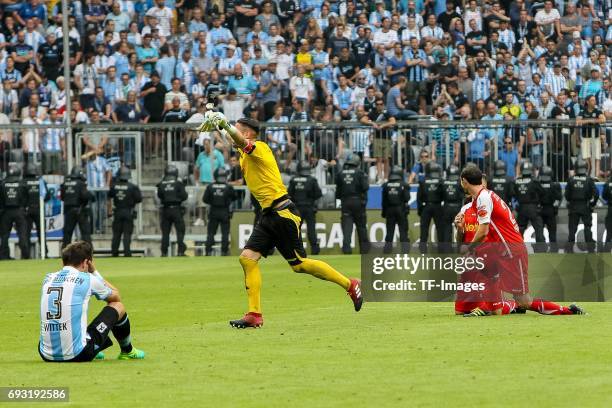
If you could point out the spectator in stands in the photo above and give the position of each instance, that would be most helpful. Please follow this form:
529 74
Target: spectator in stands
444 141
120 18
279 138
244 85
49 57
9 100
175 92
233 106
509 155
98 181
22 53
153 93
85 80
34 104
102 105
147 54
301 86
31 138
417 174
382 121
207 162
344 99
165 17
31 9
395 101
53 145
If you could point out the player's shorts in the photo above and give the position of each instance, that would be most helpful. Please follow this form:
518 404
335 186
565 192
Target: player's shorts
279 228
512 270
97 336
590 148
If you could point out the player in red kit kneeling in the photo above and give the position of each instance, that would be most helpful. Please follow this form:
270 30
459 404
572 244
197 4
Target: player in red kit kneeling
490 301
498 240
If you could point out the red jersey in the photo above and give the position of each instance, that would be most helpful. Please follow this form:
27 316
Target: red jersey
493 211
491 298
470 222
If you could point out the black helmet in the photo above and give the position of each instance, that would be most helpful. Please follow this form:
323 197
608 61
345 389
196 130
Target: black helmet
581 167
77 173
433 170
499 169
397 174
303 169
31 170
171 171
527 169
452 173
546 174
124 173
221 175
14 171
353 161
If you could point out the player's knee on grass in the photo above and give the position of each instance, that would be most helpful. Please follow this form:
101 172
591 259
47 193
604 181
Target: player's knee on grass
119 307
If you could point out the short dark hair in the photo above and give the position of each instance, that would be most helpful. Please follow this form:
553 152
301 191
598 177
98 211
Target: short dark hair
472 174
77 252
251 123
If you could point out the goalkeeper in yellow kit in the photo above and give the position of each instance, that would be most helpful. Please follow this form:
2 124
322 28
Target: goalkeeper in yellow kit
280 223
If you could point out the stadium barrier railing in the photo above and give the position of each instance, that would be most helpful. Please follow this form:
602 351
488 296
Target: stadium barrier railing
148 148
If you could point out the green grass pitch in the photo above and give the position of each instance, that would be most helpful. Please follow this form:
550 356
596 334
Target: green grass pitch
313 350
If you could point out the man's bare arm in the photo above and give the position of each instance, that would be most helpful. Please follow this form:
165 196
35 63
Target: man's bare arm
481 233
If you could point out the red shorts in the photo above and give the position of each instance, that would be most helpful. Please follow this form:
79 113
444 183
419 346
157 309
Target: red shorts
513 275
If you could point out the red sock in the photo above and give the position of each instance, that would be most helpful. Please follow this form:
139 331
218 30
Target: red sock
548 308
508 306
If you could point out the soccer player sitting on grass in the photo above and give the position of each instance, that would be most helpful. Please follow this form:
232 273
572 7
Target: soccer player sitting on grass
64 334
280 223
498 240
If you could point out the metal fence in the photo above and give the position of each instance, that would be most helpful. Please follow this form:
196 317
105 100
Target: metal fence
147 148
554 143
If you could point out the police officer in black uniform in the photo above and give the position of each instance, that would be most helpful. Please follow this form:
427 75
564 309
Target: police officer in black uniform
529 193
452 196
607 196
501 184
395 209
76 200
429 202
32 182
14 199
219 195
351 189
551 198
305 191
171 192
581 195
125 196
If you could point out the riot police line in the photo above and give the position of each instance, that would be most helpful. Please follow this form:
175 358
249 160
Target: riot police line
535 199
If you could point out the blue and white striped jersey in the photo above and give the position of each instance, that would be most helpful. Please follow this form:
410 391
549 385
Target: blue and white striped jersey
63 311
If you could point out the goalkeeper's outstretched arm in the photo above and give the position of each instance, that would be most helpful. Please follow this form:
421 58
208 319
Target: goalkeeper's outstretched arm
236 135
217 120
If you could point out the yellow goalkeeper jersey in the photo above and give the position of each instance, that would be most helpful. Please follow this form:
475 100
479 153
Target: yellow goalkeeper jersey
261 174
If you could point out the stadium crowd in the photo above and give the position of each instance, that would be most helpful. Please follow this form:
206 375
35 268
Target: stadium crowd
369 62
